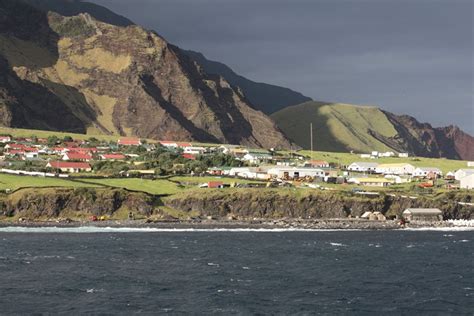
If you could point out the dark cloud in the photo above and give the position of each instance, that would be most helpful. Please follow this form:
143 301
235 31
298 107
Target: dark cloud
406 56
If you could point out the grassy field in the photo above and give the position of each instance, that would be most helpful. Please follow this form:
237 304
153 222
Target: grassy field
346 158
14 182
199 180
160 186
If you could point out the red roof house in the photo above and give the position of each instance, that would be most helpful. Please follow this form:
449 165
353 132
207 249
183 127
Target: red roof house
189 156
129 141
215 184
73 155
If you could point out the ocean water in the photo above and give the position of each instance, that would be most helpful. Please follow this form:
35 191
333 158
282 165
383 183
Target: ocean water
115 271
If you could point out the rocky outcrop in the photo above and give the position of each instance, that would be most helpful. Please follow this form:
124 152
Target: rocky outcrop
61 202
118 80
274 204
424 140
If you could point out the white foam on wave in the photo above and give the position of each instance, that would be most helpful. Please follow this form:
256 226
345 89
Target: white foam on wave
93 229
442 229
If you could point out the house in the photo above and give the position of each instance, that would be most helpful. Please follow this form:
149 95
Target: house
168 144
5 139
194 150
77 156
461 173
422 214
317 164
395 168
184 145
402 155
467 182
387 154
427 172
295 172
362 166
112 157
371 182
449 176
374 216
68 166
255 157
31 155
188 156
365 156
129 141
374 154
470 163
218 171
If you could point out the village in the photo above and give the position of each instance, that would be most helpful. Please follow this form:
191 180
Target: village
133 157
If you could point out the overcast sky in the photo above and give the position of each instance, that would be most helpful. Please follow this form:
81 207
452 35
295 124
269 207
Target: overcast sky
406 56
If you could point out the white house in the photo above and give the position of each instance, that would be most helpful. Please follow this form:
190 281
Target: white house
427 171
387 154
365 156
461 173
257 157
467 182
193 150
362 166
395 168
294 172
470 163
31 155
5 139
402 155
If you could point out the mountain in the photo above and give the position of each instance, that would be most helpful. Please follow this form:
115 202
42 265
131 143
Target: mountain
345 127
265 97
79 74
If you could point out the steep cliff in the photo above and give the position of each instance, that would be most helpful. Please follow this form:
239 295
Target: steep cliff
116 80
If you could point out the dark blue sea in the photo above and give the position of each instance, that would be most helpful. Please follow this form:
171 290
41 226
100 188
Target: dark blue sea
108 271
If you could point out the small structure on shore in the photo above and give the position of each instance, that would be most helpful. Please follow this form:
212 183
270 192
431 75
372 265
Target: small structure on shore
423 214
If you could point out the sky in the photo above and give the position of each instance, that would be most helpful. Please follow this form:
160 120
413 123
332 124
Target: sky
411 57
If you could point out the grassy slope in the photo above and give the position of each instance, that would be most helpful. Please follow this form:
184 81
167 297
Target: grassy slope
14 182
149 186
336 127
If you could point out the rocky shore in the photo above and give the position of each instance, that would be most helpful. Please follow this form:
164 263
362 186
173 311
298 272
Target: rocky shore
329 224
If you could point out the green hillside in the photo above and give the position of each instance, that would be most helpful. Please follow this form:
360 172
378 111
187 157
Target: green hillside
336 127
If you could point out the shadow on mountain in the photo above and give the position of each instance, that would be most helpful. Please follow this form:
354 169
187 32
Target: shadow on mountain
155 92
35 102
231 121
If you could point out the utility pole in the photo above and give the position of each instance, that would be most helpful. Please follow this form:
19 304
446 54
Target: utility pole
311 136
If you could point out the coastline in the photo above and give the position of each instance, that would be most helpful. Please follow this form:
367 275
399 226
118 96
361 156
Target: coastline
263 224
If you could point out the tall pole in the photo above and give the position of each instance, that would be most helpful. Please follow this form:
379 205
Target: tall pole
311 133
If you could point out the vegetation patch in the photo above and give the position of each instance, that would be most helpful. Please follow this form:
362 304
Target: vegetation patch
102 59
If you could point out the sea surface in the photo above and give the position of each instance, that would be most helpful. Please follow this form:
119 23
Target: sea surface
120 271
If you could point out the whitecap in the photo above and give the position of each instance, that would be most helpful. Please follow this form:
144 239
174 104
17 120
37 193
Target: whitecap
212 264
337 244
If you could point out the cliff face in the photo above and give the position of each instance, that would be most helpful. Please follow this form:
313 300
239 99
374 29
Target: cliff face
265 97
108 79
324 205
53 203
424 140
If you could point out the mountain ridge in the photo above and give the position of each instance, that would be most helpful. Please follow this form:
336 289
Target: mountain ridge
113 79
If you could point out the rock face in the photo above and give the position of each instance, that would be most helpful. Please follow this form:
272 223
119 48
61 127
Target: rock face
102 78
53 203
424 140
274 204
265 97
345 127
